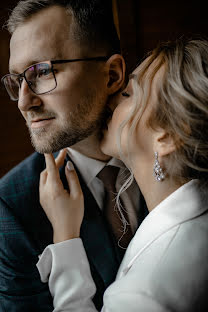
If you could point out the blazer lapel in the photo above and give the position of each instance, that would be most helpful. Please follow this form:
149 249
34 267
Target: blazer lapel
187 202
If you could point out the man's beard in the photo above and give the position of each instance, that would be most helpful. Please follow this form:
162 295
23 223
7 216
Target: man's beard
44 141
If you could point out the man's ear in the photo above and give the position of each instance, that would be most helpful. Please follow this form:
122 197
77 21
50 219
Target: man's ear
164 143
116 68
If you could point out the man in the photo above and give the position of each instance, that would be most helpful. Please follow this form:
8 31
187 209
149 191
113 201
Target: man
63 68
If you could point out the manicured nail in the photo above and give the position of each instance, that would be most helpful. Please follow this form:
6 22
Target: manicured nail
70 166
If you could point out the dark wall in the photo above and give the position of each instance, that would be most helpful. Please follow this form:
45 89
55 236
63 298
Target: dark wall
142 24
14 138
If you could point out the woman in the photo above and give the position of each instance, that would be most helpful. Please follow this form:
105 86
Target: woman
159 129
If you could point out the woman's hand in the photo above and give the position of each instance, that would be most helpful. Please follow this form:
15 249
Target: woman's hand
64 209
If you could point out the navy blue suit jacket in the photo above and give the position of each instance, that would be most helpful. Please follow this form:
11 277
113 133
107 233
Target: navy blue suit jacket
25 231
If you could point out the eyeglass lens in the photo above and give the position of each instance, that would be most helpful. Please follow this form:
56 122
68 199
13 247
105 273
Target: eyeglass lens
39 77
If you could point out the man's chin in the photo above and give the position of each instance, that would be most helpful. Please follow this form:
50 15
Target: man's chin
45 142
42 149
52 141
43 146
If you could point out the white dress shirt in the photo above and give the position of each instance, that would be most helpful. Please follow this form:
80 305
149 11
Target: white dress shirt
89 168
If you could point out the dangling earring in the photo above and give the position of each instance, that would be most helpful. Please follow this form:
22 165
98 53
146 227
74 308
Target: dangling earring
157 170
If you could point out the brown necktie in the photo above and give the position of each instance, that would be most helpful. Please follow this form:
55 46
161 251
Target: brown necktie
108 176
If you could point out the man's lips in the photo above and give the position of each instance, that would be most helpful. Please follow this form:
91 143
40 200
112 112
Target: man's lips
41 122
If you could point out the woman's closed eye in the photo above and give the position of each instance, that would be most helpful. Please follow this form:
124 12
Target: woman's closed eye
124 93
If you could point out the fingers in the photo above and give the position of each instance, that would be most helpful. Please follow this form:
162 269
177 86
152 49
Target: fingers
52 165
73 180
43 177
51 168
60 158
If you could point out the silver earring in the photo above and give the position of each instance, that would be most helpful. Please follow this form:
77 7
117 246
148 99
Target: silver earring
157 170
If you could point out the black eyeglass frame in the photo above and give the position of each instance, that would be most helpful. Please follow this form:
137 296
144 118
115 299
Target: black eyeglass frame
52 62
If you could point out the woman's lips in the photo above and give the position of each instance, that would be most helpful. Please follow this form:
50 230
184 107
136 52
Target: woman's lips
39 123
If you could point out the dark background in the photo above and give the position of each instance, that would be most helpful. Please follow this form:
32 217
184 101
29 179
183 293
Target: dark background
142 24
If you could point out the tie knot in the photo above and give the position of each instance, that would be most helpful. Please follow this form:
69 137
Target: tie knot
108 176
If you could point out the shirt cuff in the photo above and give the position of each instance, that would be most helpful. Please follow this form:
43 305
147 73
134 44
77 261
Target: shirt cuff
66 269
59 255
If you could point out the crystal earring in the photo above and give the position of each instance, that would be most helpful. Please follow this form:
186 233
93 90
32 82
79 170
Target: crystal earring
157 170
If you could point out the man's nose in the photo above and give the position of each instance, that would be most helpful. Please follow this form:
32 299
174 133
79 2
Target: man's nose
27 98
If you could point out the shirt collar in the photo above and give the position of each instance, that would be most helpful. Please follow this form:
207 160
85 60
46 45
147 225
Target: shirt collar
89 167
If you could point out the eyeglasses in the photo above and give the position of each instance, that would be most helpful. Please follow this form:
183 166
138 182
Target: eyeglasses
39 77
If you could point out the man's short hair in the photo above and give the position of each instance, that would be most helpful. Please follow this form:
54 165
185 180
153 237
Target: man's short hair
93 18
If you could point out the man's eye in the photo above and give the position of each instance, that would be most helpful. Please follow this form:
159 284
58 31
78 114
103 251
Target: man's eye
44 72
125 94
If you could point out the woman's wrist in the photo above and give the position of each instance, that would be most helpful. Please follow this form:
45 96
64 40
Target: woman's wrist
59 237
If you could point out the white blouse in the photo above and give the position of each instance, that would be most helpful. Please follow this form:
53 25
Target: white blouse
165 267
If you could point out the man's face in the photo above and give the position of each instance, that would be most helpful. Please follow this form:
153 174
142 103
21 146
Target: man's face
73 110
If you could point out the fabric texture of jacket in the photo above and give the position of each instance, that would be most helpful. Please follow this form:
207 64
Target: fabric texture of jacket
25 231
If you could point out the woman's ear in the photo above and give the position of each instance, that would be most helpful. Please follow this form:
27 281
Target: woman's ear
164 143
116 73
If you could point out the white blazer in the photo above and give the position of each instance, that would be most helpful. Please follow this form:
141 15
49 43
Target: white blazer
165 267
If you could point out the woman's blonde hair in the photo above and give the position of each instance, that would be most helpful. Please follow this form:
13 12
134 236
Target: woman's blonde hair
181 106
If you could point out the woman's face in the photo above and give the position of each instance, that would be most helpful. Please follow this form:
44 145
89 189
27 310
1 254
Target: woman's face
140 144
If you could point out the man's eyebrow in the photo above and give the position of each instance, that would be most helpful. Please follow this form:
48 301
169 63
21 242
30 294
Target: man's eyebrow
12 71
26 65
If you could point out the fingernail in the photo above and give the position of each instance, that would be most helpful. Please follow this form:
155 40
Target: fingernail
70 166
